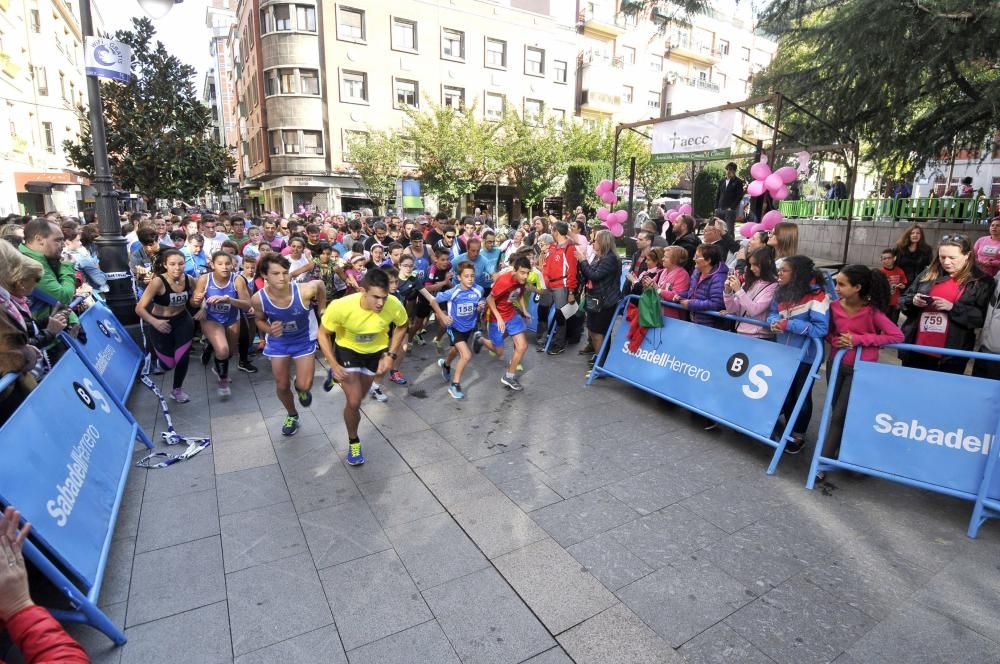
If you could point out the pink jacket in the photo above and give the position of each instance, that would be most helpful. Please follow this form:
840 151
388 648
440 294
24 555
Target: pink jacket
755 303
675 280
869 328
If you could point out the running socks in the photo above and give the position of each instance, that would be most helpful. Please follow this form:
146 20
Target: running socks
508 374
222 368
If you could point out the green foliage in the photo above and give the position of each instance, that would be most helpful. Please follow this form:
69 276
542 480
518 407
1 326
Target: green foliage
533 154
157 129
376 156
706 187
909 78
581 178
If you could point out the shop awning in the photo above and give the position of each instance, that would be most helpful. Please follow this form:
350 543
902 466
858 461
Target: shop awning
38 183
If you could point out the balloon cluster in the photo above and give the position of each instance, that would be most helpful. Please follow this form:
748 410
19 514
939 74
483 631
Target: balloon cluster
775 183
771 219
671 215
613 221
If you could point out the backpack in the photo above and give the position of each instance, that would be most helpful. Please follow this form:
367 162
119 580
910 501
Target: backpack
650 311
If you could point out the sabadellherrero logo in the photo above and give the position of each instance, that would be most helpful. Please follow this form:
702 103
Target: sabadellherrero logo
755 387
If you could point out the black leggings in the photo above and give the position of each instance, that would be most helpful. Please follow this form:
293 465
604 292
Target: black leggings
172 348
802 421
247 327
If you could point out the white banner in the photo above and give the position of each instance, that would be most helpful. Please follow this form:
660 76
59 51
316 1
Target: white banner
699 138
107 59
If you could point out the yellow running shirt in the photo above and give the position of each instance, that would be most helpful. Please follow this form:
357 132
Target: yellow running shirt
361 330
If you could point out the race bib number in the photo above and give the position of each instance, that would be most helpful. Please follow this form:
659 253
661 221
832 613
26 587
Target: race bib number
290 326
934 322
220 307
178 299
419 274
514 296
465 309
364 338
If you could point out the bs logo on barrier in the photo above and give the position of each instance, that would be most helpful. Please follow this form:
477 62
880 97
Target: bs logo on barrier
109 329
91 396
755 387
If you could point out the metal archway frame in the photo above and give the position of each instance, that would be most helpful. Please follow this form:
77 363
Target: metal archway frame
778 100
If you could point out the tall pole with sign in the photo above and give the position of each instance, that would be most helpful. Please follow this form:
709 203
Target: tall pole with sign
112 249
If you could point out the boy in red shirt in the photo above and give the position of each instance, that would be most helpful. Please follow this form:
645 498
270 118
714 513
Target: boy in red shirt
897 282
505 321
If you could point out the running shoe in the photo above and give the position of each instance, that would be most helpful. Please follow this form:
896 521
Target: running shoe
437 343
247 367
455 390
419 337
477 342
396 376
179 395
305 397
445 370
511 382
330 381
520 367
291 425
556 350
354 455
795 445
224 389
377 394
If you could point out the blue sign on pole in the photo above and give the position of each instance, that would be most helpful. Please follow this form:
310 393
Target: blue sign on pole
109 349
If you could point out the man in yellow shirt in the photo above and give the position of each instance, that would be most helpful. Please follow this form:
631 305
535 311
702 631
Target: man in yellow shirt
354 339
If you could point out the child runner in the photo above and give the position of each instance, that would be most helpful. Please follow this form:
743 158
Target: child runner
285 310
505 321
163 306
248 328
221 297
438 278
464 302
355 342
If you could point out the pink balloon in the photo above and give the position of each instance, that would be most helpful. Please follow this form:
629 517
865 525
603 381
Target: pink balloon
684 209
787 174
756 228
760 170
781 194
597 191
773 183
605 185
771 219
617 230
622 216
609 197
746 230
602 213
756 188
672 215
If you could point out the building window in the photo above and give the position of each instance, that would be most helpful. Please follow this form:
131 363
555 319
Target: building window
48 137
62 85
305 18
275 140
656 63
36 21
494 107
350 24
404 34
534 61
352 136
496 53
654 99
453 97
407 93
745 54
309 81
354 86
561 70
41 81
533 109
559 115
290 141
452 44
723 47
282 18
628 55
627 92
312 142
287 78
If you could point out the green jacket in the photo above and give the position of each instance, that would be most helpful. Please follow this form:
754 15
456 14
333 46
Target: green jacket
61 287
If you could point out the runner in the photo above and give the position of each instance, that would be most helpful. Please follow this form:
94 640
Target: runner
464 303
355 342
220 314
505 321
285 311
247 327
438 278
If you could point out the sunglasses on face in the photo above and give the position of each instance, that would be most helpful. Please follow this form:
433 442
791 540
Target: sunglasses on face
954 238
449 237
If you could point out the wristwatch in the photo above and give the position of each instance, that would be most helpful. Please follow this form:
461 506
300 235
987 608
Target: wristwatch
390 354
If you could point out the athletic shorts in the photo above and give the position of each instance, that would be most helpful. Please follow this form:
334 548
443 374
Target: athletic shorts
457 336
294 348
514 326
354 362
423 309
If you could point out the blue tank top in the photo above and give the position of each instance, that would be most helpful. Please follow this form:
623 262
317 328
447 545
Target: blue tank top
422 265
222 313
294 318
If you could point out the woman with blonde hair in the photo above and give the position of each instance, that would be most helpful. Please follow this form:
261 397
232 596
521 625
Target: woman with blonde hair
602 292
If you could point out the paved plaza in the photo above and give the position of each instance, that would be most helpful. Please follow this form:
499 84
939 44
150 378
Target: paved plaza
563 524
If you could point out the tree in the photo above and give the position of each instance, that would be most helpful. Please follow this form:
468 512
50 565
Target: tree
455 150
533 156
376 156
157 130
911 79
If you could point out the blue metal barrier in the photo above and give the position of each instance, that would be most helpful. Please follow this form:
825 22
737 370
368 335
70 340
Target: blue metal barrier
718 372
928 429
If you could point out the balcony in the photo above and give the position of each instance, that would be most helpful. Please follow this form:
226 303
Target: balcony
594 59
602 25
693 82
700 53
602 103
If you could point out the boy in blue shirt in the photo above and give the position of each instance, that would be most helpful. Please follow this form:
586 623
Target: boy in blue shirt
464 303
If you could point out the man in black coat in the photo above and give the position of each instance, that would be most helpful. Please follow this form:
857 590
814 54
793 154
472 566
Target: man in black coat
727 201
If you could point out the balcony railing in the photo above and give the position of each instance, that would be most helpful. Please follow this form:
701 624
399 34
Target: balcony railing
594 58
693 82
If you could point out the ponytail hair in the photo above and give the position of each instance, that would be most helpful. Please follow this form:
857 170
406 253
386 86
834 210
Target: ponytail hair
872 283
160 262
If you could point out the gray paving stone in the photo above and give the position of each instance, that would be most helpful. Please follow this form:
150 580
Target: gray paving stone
581 517
553 584
456 483
243 453
799 623
574 478
736 503
505 467
197 474
485 621
321 646
342 532
372 598
260 536
609 561
667 535
967 593
237 426
127 525
315 476
397 422
617 636
309 425
381 461
423 643
100 648
554 656
655 489
497 525
117 573
529 492
918 635
399 499
684 599
155 590
200 635
434 550
419 448
721 645
252 488
177 519
275 601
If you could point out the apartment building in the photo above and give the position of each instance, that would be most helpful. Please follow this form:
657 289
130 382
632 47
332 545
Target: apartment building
42 83
218 91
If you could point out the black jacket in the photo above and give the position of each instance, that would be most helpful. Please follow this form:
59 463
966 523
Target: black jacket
689 242
603 279
729 197
912 263
966 316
